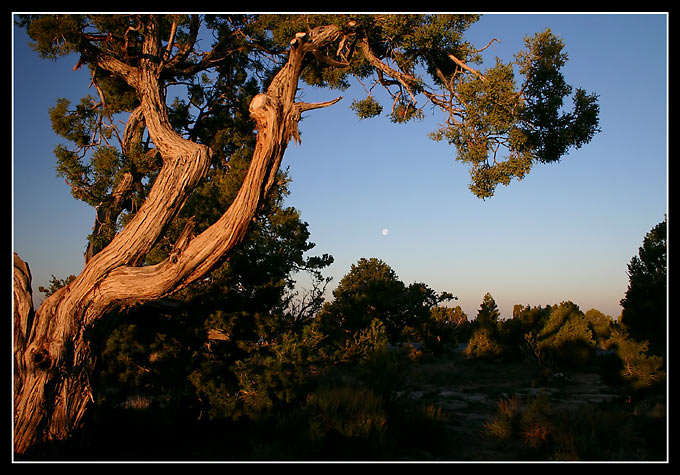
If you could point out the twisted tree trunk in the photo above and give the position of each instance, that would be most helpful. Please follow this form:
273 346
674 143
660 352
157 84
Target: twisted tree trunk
56 347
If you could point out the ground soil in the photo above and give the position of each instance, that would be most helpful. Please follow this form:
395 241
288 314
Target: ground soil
468 392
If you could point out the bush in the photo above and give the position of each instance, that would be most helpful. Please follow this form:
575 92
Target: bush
270 376
384 370
541 430
504 426
348 411
483 344
637 368
444 329
567 335
525 323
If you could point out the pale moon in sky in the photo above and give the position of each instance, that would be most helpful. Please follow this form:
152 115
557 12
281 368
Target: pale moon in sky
385 232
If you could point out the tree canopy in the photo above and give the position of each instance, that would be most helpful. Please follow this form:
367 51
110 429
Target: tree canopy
501 120
371 291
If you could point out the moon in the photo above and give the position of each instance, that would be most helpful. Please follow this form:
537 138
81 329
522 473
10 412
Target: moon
385 232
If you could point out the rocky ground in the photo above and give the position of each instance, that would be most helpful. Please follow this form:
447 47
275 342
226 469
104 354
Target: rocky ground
468 393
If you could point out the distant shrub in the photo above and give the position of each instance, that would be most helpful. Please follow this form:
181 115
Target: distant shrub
524 321
444 329
483 344
484 341
567 335
601 326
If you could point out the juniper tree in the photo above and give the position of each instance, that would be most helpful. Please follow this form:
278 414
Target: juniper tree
241 75
371 291
645 305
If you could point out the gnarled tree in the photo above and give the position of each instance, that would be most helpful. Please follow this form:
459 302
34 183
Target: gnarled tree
498 128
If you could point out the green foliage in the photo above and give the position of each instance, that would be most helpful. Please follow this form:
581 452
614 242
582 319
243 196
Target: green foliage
484 344
518 333
358 345
553 132
366 108
54 35
506 129
639 369
371 290
488 312
499 126
383 370
566 324
241 352
272 374
149 358
56 284
645 303
601 326
446 327
567 335
484 341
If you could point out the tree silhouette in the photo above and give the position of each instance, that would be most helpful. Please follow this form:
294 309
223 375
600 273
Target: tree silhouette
645 303
371 291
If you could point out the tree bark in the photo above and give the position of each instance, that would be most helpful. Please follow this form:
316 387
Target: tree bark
56 348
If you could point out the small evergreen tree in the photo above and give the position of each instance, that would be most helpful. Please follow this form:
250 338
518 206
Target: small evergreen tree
645 303
488 312
485 339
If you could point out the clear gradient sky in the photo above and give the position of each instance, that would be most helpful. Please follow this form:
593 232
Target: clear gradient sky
566 232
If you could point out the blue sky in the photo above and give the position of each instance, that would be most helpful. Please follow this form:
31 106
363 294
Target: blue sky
566 232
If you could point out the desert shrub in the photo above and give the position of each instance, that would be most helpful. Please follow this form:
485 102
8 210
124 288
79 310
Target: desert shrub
443 330
271 376
639 369
360 344
504 425
567 336
539 429
595 434
601 326
384 370
348 411
513 331
483 344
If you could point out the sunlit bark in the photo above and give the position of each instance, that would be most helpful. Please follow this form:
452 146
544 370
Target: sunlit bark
56 347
